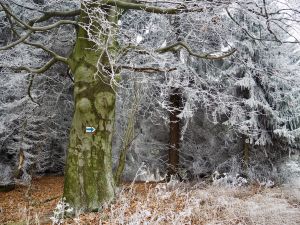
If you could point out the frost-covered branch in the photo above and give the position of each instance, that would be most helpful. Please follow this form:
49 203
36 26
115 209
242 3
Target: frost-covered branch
49 14
52 53
212 55
32 28
146 69
266 13
37 70
20 40
31 78
151 9
26 7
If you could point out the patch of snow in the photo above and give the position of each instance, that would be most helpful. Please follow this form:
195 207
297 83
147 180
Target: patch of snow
139 38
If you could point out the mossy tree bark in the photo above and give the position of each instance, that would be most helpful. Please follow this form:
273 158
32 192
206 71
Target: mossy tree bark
88 176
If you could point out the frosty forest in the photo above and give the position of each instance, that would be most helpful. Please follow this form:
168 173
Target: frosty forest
150 112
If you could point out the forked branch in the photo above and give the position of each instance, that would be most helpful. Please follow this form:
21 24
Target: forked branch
48 15
32 28
50 52
21 39
13 44
252 36
37 70
34 71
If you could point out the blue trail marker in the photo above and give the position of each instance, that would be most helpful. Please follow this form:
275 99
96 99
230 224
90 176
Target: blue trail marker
90 129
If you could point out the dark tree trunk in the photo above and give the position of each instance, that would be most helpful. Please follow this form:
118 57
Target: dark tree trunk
244 93
175 130
246 153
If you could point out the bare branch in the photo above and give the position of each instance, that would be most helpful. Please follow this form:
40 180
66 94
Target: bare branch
38 70
26 7
52 53
268 22
284 10
44 28
48 15
212 55
150 9
252 36
70 76
31 78
285 30
147 69
13 44
23 40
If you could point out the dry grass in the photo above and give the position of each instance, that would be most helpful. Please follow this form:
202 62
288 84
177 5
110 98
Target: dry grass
161 203
178 203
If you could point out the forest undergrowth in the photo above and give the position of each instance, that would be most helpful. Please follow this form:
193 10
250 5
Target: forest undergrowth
156 203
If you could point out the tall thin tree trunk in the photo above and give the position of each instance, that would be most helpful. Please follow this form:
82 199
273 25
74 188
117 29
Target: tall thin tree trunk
175 131
245 93
246 154
128 134
88 175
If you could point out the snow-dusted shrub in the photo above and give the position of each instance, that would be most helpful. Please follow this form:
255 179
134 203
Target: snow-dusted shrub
61 210
6 174
228 180
290 170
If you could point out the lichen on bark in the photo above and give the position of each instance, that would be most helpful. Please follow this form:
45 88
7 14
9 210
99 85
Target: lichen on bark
88 176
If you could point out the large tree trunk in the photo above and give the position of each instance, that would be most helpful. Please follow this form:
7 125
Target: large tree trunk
88 175
175 131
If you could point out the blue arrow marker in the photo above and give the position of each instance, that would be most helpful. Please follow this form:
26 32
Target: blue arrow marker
90 129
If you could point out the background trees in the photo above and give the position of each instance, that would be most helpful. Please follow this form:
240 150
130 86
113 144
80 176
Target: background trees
39 131
228 60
